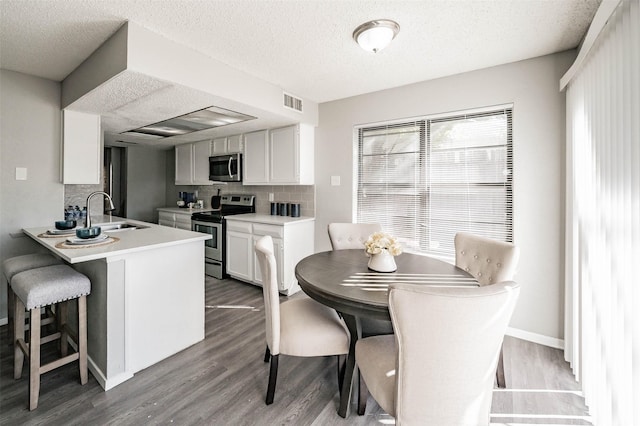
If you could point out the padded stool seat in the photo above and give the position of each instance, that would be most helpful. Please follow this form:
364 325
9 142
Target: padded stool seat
45 286
42 287
17 264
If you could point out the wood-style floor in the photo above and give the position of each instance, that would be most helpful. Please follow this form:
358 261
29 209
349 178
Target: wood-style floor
222 381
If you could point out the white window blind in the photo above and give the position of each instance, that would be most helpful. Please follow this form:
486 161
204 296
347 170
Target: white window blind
602 321
426 180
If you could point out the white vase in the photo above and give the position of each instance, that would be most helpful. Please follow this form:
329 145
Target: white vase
382 262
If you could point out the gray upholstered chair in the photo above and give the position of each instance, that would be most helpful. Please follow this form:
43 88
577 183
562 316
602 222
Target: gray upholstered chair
438 367
489 261
345 236
299 326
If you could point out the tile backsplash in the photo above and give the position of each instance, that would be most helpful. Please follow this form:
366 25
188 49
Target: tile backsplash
303 194
76 195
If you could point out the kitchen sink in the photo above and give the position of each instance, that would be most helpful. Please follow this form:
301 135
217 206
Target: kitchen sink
120 226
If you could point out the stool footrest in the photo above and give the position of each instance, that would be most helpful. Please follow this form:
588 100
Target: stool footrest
50 338
59 362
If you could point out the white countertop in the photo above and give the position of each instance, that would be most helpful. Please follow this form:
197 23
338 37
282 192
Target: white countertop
130 241
184 210
268 219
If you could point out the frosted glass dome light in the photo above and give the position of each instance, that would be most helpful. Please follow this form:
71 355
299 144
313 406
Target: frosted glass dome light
373 36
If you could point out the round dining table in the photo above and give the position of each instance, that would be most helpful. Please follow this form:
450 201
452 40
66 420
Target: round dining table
341 280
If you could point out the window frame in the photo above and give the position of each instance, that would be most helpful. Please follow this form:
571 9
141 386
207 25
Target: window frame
425 187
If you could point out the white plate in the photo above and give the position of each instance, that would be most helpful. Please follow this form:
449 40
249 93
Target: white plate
82 241
61 231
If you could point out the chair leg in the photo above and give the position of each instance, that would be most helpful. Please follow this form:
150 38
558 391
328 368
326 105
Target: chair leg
267 354
18 330
82 339
10 314
34 359
341 365
61 319
363 394
500 372
273 376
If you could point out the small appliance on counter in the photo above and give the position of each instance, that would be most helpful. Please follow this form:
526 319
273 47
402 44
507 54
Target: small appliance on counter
186 198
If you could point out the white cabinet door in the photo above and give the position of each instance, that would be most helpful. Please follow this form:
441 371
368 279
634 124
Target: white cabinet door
240 255
166 219
256 153
201 154
234 144
184 164
219 146
283 155
82 148
183 221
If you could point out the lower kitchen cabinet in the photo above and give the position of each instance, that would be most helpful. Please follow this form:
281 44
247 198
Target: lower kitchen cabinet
173 219
293 239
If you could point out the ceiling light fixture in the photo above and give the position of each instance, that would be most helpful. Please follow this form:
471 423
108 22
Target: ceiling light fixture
373 36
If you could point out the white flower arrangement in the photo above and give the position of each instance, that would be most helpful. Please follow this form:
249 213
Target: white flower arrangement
379 241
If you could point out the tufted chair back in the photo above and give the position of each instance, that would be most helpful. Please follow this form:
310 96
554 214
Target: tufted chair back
489 261
345 236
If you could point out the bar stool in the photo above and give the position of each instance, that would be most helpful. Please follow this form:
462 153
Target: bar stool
41 287
17 264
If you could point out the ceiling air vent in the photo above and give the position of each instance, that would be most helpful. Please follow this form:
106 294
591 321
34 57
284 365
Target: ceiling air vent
291 102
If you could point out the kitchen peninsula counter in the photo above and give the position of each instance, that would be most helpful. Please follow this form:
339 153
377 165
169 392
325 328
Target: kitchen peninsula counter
147 295
148 236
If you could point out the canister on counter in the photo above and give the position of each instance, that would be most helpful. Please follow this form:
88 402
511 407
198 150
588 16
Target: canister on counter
295 210
274 209
284 209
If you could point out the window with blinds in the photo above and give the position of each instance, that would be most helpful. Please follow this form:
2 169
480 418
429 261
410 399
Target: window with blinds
425 180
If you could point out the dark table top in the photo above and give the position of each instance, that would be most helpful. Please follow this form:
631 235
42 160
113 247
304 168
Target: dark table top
341 279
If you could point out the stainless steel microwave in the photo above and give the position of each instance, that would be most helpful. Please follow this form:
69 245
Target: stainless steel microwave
225 168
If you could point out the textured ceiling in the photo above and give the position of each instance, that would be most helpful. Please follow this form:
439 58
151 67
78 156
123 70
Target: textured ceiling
303 46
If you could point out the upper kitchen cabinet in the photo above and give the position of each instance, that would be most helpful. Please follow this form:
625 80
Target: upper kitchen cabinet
192 163
256 156
81 148
227 145
281 156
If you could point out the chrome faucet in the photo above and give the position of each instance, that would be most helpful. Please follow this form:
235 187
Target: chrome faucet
87 221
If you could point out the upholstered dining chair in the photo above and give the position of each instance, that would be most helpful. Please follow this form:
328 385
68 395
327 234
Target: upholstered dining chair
345 236
489 261
298 327
438 367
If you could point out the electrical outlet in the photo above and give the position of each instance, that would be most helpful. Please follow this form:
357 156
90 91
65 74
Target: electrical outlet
271 197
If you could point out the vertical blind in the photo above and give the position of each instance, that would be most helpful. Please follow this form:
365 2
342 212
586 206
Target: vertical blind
425 180
602 321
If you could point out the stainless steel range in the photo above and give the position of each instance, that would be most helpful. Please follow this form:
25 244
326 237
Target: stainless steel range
213 223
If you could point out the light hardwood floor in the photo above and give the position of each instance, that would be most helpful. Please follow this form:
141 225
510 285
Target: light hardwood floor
223 379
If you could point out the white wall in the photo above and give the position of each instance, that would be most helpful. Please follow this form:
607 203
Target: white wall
30 138
538 138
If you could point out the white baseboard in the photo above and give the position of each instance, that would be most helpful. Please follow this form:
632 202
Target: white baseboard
536 338
105 383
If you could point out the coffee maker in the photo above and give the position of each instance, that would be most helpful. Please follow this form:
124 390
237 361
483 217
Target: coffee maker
184 198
